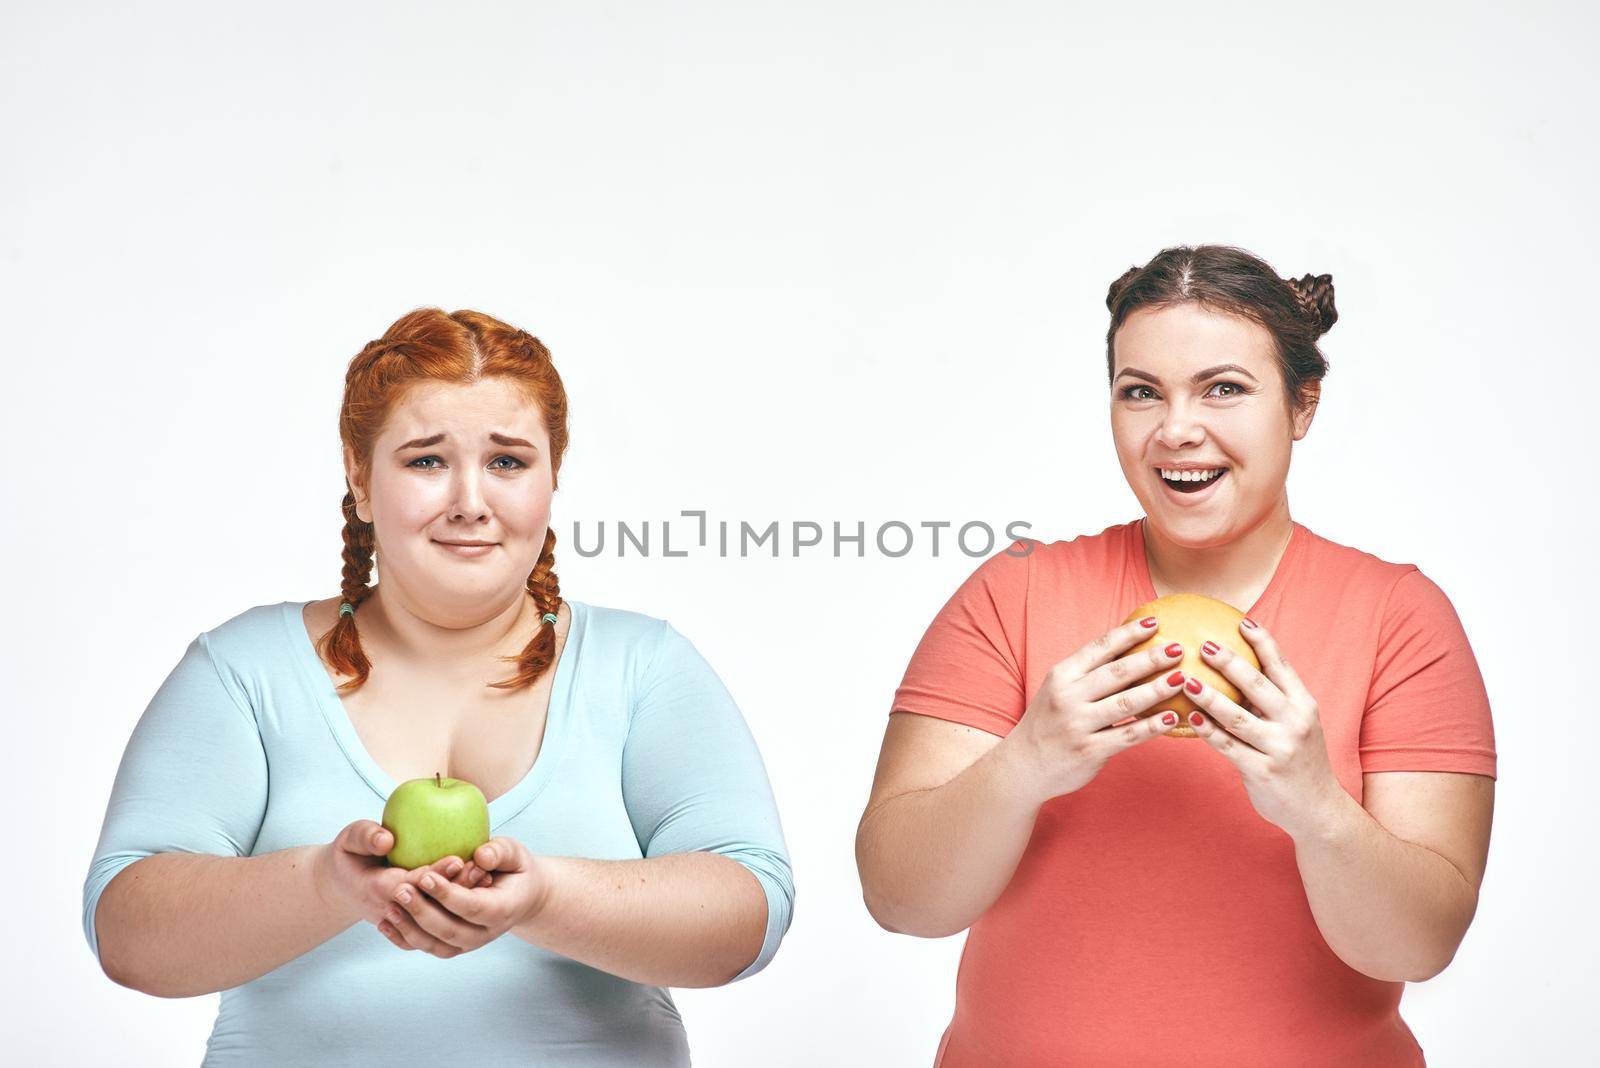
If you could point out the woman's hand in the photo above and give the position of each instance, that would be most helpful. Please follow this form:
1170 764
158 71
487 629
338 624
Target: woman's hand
449 918
355 880
1278 747
1067 733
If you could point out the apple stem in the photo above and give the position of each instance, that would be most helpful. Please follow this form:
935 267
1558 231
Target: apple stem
436 781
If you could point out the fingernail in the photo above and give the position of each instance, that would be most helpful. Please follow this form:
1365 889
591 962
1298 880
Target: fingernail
392 916
1195 719
1211 648
429 882
1175 679
1193 686
1249 622
1173 650
403 894
452 867
1148 621
1170 719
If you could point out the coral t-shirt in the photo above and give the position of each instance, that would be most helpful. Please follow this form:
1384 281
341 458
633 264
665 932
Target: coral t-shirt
1071 965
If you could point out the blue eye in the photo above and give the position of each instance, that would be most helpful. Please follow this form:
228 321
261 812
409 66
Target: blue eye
1127 391
419 459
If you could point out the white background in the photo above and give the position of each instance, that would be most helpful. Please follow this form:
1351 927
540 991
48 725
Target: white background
825 261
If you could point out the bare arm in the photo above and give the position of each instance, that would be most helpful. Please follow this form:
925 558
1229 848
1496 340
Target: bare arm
178 925
950 814
1393 886
684 920
952 808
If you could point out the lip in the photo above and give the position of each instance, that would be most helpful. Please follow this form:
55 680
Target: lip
466 550
1198 497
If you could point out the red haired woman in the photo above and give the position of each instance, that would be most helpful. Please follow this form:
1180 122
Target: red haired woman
635 842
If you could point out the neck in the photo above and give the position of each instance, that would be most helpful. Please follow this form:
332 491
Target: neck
1234 570
427 638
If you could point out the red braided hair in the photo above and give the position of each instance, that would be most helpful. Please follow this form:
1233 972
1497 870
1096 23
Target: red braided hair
463 347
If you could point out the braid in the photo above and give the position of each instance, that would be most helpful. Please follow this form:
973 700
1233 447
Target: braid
341 646
1314 294
371 353
460 348
545 589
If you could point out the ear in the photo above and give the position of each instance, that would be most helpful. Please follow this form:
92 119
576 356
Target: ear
1303 417
350 478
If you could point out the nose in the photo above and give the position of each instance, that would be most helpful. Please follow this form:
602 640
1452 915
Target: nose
1179 429
466 500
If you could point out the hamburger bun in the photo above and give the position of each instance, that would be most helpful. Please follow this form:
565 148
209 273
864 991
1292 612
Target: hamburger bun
1192 618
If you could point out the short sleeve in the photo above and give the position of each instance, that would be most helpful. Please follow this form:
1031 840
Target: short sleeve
969 666
693 779
1427 709
193 779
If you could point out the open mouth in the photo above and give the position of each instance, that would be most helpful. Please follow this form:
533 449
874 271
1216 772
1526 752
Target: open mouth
1194 486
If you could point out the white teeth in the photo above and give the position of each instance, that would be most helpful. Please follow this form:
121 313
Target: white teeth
1191 476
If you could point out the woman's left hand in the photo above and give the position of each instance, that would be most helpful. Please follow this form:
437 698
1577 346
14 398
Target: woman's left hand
1278 745
447 919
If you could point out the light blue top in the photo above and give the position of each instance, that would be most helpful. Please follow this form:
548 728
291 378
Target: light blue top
246 748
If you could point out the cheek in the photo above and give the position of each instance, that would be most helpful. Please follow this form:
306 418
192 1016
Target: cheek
530 507
407 502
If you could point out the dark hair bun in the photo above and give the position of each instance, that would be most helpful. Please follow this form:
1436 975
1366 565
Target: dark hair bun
1314 294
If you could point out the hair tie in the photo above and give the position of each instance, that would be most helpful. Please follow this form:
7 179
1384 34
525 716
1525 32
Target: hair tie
549 617
347 609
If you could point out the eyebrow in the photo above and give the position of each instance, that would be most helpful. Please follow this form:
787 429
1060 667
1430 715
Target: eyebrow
1198 378
496 437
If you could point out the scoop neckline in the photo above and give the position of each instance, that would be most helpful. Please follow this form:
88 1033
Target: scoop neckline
1297 535
502 808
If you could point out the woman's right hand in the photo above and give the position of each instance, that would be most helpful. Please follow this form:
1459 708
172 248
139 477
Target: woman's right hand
1066 734
355 880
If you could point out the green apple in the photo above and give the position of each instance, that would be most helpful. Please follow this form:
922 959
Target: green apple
434 818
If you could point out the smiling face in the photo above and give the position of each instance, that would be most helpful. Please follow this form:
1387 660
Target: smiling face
483 475
1162 416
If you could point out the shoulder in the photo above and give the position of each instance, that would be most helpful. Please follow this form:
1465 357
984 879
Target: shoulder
1101 551
637 642
1409 606
644 654
243 652
252 634
1027 564
1003 584
621 627
1343 567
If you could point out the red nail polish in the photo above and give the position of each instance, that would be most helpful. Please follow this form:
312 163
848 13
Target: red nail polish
1193 686
1173 650
1212 648
1148 621
1195 719
1249 622
1170 719
1175 679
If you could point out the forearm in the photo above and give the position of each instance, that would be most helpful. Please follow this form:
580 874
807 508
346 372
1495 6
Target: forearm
933 861
684 920
1389 908
179 925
